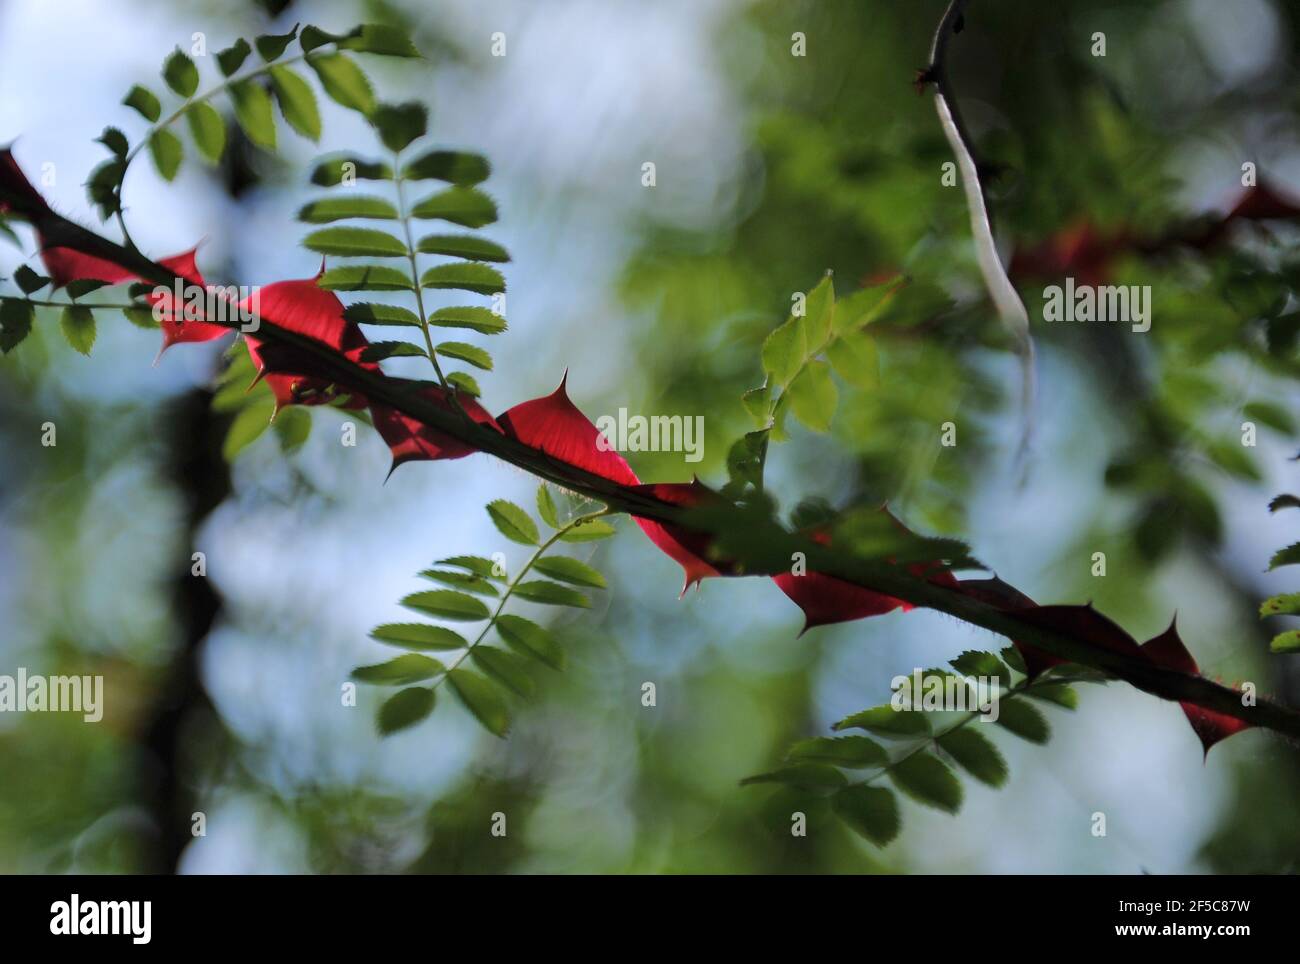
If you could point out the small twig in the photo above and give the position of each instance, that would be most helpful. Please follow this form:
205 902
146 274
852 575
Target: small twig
1005 297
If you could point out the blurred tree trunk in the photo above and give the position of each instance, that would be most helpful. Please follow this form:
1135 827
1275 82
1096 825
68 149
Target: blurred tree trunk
183 715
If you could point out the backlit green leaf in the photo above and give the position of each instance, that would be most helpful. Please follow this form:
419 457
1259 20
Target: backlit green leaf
254 113
349 169
181 74
568 569
815 777
469 582
928 780
463 246
887 721
418 636
513 522
145 103
526 637
1024 720
166 151
337 208
783 351
854 358
813 396
230 59
468 276
297 102
482 699
854 752
367 277
589 531
471 354
871 811
399 671
477 565
448 604
78 326
343 81
208 130
551 594
457 167
399 124
348 242
975 754
376 314
546 506
272 46
504 667
1289 556
465 206
482 320
404 709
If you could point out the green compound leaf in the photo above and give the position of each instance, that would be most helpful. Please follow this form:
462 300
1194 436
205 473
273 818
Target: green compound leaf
546 506
465 206
233 57
467 582
254 113
348 242
529 639
928 780
886 721
328 209
483 320
466 246
297 102
368 277
854 752
418 636
975 754
568 569
208 130
469 276
166 150
589 531
1024 720
470 354
181 74
145 102
78 326
477 565
376 314
343 81
400 670
447 604
551 594
872 812
399 124
513 522
405 709
456 167
814 777
482 699
506 668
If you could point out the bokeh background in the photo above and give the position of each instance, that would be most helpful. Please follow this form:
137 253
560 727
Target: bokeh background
223 696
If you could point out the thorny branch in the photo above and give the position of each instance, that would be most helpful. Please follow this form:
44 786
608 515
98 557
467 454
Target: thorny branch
767 546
